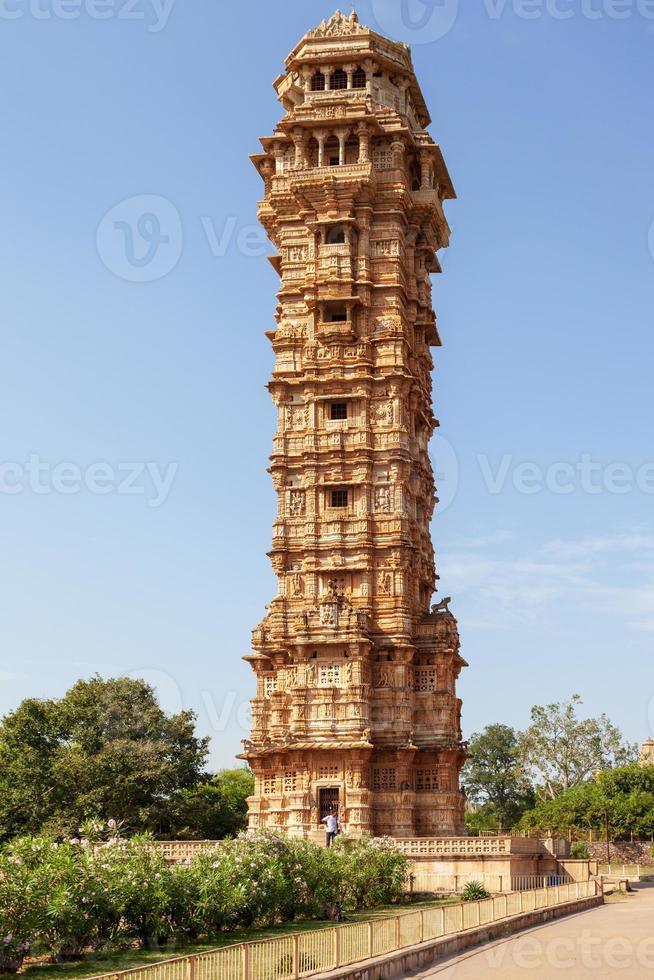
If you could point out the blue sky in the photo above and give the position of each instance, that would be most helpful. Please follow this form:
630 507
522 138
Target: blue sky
135 426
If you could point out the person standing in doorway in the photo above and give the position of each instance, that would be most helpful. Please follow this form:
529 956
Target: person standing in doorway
331 826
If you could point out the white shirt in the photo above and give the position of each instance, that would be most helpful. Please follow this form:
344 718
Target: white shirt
331 822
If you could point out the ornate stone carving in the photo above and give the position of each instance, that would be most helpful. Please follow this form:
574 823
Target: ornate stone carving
297 503
382 499
338 25
355 677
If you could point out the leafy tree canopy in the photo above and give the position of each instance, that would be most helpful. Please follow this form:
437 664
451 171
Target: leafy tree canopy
563 751
214 809
624 795
105 749
495 780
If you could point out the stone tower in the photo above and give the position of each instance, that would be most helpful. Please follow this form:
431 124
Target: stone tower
356 704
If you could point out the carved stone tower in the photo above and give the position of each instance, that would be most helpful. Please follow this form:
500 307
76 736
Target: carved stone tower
356 703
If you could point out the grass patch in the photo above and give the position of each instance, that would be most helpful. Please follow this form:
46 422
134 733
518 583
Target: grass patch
94 964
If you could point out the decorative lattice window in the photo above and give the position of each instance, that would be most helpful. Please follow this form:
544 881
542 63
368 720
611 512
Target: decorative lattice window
318 82
269 785
269 685
338 411
329 675
328 772
339 498
426 780
290 782
425 680
383 159
384 778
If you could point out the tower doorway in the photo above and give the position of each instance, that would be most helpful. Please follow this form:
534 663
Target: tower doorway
328 801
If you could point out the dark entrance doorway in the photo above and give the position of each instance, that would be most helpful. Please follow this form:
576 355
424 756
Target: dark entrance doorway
328 798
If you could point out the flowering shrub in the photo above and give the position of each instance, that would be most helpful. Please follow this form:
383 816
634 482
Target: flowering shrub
20 906
66 898
373 872
138 882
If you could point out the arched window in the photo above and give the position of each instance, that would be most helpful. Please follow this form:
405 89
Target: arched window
359 78
318 82
335 235
338 79
332 152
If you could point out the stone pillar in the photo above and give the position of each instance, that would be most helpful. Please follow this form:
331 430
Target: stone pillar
364 143
299 143
425 170
267 170
398 150
369 67
342 136
320 135
349 71
278 152
363 218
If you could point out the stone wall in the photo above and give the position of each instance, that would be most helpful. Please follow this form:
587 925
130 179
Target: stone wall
623 852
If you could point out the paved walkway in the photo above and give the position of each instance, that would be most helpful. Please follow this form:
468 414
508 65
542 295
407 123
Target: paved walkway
616 940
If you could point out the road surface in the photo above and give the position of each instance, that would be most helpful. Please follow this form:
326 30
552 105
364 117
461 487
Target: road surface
616 940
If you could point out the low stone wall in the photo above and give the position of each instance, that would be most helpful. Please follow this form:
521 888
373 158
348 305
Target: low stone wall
404 962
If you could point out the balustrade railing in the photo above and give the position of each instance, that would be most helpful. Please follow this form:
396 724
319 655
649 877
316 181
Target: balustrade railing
305 954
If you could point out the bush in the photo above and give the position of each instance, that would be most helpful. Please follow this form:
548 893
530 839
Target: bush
474 891
20 908
85 894
580 851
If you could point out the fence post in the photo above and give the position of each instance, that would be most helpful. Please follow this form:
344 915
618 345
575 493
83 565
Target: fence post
521 893
296 956
370 946
190 967
337 947
245 961
398 928
421 927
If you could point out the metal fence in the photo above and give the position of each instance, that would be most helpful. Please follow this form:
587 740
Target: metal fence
528 882
627 870
307 953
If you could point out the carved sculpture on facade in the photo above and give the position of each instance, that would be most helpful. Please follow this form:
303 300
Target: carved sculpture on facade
356 703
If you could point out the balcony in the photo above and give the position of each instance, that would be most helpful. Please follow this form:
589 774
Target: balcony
336 330
335 262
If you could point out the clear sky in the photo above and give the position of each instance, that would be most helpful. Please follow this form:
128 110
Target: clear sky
135 427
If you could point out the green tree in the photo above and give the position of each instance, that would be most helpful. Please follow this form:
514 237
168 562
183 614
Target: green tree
624 795
105 749
494 778
561 750
213 809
